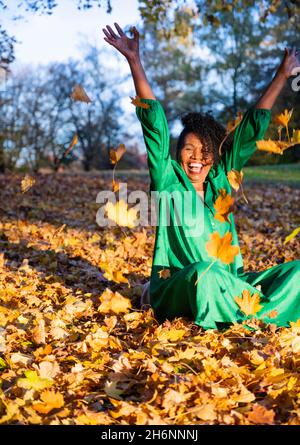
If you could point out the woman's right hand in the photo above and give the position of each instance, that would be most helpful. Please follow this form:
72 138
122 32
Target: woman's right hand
128 47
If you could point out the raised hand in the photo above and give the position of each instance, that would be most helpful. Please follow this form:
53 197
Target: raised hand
128 47
290 62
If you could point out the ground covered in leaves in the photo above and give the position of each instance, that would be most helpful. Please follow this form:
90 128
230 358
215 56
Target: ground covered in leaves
75 346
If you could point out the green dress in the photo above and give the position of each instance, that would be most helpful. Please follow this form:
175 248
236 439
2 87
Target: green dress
210 303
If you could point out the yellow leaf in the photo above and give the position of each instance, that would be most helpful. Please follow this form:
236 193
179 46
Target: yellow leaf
283 118
33 381
113 302
277 147
235 178
113 275
249 305
221 247
137 102
206 412
223 206
116 154
296 136
26 183
79 94
292 235
120 214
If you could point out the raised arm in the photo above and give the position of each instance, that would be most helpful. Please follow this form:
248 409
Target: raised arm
256 119
285 70
130 49
153 120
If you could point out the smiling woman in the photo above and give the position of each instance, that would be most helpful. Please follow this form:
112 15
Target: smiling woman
202 276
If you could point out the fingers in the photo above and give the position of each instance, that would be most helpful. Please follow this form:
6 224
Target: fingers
112 32
119 29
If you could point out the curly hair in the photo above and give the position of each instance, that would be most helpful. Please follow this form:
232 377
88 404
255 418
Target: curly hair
209 131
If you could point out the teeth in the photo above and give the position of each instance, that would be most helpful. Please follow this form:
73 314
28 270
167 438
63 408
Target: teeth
195 164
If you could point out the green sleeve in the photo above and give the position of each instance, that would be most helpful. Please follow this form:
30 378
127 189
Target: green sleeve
157 140
251 129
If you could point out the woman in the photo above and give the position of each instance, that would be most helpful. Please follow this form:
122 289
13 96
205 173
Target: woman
185 279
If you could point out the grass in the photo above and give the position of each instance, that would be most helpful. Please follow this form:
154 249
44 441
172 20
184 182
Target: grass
288 174
282 173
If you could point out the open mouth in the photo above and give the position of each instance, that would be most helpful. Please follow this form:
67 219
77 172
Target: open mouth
195 167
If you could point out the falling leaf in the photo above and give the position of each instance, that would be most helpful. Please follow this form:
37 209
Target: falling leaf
223 206
116 154
235 178
221 248
113 275
283 118
277 147
51 400
164 273
79 94
248 305
137 102
120 214
71 146
26 183
115 186
292 235
231 125
296 136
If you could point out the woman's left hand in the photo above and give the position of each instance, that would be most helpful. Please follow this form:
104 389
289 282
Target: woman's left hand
290 62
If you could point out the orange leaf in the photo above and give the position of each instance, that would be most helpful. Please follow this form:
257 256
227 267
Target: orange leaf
51 401
164 273
116 155
137 102
221 247
261 415
223 206
277 147
283 118
249 305
79 94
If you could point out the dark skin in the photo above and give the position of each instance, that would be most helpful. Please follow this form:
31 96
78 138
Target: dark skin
129 47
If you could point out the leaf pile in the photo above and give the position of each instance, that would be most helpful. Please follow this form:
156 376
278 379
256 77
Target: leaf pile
76 348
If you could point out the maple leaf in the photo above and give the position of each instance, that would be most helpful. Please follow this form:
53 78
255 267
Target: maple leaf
120 214
283 118
292 235
137 102
26 183
33 381
79 94
51 400
277 147
116 154
113 275
261 415
235 179
221 248
113 302
164 273
248 305
223 206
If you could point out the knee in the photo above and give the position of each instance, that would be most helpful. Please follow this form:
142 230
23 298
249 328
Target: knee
200 267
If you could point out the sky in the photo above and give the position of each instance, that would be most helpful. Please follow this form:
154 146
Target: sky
43 38
56 37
